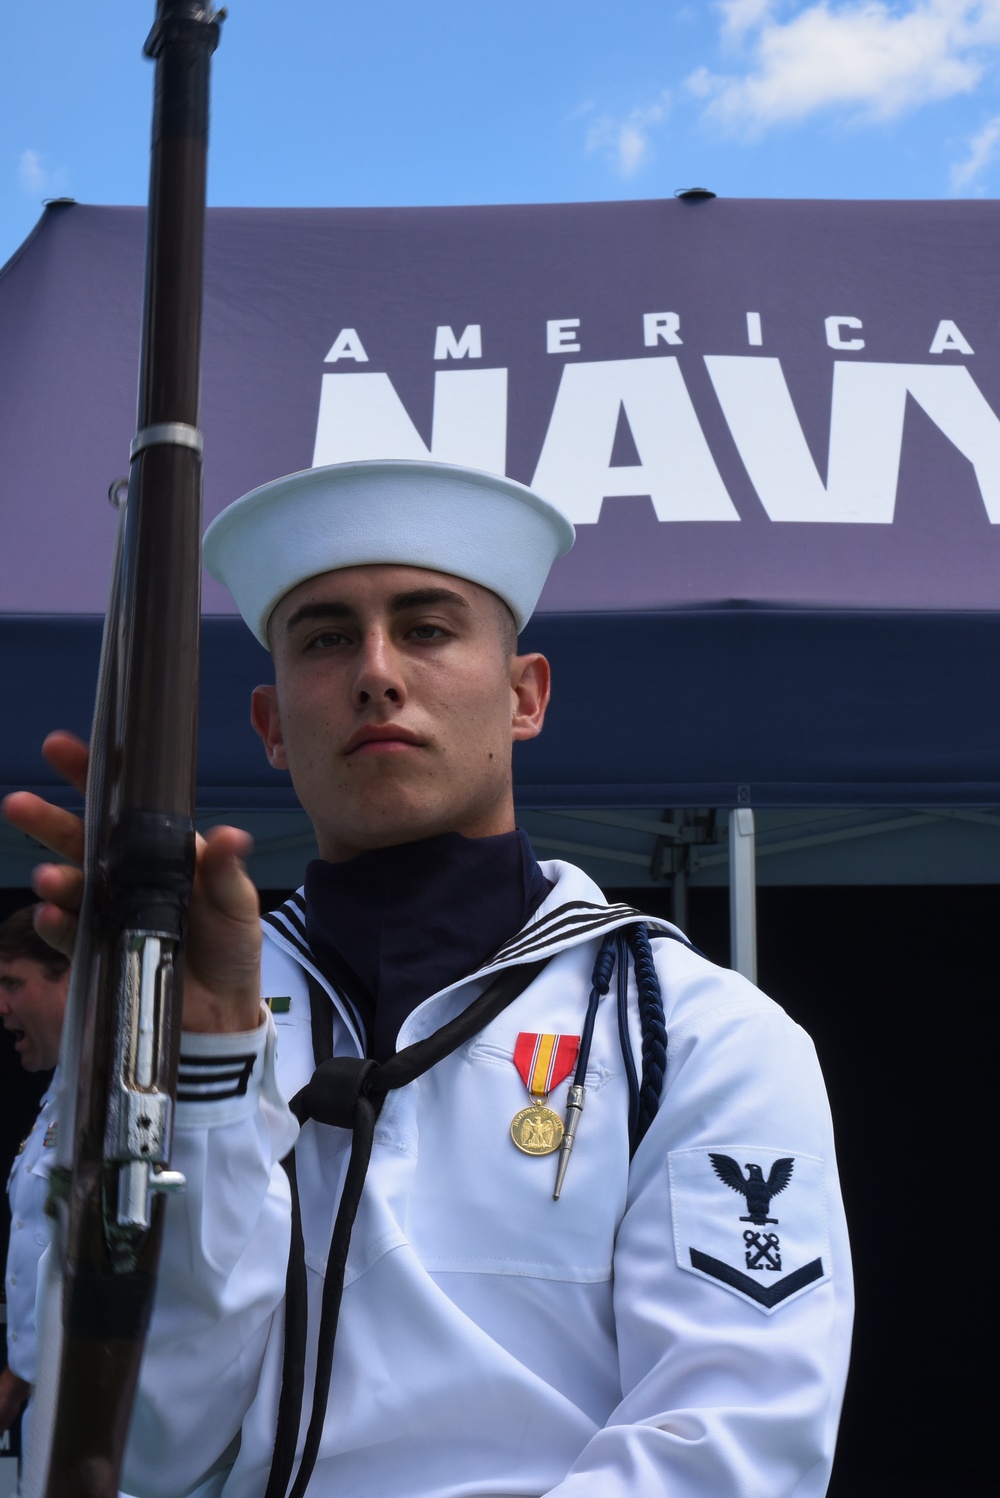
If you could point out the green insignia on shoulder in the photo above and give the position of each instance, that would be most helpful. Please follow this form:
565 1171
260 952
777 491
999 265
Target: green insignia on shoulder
280 1004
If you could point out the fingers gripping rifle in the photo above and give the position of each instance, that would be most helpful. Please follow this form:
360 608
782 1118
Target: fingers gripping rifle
119 1054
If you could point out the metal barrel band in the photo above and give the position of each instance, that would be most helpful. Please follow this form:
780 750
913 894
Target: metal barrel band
167 434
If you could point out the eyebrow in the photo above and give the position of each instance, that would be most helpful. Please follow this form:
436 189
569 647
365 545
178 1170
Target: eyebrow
400 603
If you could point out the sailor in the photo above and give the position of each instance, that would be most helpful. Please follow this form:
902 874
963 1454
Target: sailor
562 1213
33 984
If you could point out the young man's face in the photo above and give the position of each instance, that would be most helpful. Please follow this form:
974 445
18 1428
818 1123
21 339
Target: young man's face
32 1005
395 706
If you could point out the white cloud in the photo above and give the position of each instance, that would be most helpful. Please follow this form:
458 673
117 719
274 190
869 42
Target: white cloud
983 147
626 142
38 180
872 58
32 173
741 16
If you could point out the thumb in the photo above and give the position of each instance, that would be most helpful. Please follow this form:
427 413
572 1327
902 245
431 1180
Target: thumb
222 873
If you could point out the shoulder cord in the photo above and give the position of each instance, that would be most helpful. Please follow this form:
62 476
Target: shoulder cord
625 1040
599 984
644 1098
653 1025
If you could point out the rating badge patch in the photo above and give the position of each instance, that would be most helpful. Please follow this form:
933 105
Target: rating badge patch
752 1220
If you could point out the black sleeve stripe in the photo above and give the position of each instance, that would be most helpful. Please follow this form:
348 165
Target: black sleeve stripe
217 1061
210 1079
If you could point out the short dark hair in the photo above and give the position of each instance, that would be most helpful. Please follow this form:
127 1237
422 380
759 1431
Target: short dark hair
19 939
508 627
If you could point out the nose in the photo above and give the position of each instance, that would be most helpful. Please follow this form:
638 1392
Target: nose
378 676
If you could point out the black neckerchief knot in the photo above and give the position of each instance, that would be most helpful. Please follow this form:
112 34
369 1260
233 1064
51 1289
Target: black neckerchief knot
331 1095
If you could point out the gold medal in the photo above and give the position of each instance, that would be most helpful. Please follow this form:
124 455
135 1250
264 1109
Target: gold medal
542 1061
537 1130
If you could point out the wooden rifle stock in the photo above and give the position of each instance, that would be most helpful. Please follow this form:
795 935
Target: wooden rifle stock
119 1053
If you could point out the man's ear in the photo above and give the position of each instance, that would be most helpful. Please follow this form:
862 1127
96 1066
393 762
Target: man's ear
266 720
530 682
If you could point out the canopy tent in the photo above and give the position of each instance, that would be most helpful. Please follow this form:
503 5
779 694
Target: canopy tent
773 424
785 595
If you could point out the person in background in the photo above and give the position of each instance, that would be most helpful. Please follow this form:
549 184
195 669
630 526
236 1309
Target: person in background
34 980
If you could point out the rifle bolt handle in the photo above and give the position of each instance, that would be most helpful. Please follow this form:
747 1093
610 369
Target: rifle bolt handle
167 1180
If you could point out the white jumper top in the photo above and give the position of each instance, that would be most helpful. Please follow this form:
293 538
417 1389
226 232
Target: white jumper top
656 1333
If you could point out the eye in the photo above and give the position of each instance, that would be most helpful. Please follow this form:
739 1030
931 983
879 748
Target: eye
429 631
327 639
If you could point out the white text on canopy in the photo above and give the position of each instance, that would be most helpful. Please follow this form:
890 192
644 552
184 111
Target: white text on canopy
676 468
866 435
362 417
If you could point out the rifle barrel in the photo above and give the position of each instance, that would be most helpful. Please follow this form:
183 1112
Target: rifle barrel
122 1027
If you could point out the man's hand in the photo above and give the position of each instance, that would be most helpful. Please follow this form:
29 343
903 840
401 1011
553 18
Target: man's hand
13 1397
222 961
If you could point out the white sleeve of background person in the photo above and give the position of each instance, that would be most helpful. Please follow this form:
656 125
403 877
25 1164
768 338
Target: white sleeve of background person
222 1276
27 1190
722 1394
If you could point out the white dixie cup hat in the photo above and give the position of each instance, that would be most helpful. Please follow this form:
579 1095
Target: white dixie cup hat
478 526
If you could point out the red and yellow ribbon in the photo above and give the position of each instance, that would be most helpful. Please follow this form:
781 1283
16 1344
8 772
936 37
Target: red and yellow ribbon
543 1061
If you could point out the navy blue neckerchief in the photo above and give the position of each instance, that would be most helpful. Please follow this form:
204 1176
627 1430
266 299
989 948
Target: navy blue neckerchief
393 926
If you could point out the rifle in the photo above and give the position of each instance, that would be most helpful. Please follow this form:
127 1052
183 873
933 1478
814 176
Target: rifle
118 1060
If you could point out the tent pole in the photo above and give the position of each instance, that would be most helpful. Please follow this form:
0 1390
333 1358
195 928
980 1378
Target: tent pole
679 899
742 893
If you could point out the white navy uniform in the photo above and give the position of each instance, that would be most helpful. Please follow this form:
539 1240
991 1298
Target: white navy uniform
27 1191
647 1335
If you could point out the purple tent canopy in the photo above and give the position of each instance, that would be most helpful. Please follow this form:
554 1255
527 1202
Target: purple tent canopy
773 423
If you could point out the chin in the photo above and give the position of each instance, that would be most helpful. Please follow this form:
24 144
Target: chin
364 833
400 830
382 827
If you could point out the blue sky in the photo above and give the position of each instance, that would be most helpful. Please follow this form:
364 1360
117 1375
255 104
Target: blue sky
359 102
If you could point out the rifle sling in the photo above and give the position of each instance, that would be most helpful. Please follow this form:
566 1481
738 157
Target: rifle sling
347 1092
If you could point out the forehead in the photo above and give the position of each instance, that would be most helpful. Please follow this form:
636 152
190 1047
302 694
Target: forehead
373 588
21 968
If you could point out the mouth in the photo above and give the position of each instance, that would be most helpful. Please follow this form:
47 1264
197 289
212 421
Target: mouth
381 739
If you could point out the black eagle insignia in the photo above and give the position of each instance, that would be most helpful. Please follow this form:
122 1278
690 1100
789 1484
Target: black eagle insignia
757 1191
